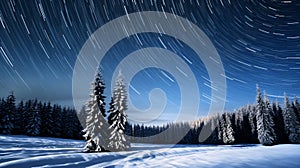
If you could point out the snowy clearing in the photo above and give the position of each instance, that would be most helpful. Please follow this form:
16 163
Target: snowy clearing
22 151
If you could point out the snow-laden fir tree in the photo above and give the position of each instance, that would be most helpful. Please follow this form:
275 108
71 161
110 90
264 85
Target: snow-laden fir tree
270 118
99 92
266 133
292 127
117 117
228 133
220 128
96 128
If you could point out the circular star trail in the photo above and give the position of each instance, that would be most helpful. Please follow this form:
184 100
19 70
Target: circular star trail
258 42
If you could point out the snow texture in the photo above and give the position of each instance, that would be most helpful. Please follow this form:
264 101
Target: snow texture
23 151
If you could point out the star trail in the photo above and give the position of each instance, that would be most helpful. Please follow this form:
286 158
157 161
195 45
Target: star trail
258 42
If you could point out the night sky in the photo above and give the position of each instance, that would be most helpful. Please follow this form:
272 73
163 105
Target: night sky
258 42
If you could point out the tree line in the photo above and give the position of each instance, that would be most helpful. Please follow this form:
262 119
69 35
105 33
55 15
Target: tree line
264 122
37 118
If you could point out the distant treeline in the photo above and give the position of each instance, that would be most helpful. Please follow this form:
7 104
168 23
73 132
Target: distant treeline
264 122
36 118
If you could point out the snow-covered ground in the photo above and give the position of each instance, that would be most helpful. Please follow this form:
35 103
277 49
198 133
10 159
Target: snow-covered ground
22 151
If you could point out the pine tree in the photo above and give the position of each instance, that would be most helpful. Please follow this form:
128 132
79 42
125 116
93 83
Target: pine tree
228 133
47 120
253 123
292 128
270 119
95 131
70 121
266 134
99 92
96 128
239 131
57 120
77 126
7 116
296 107
279 123
229 129
19 119
2 114
34 120
221 128
117 116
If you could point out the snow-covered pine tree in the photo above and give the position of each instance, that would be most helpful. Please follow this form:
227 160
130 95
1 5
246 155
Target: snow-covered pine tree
95 132
228 133
229 128
34 120
292 127
95 127
221 128
270 119
117 117
266 135
99 92
212 128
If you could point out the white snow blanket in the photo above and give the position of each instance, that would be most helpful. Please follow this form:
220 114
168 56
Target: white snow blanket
23 151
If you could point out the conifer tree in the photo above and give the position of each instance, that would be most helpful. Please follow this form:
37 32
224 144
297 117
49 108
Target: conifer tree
34 120
95 127
266 134
95 132
117 116
279 123
229 129
19 119
228 133
99 92
296 107
7 120
47 120
270 119
251 110
292 128
57 120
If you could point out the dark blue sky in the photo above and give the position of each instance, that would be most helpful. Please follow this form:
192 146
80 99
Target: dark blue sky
258 42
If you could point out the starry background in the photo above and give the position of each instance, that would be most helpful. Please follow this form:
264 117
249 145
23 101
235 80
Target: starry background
258 42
